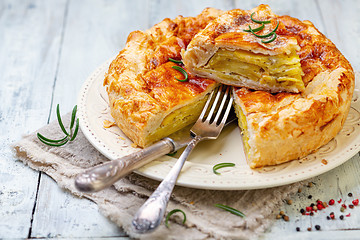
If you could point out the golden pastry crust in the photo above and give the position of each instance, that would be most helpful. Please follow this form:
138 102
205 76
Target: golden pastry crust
227 32
285 126
140 81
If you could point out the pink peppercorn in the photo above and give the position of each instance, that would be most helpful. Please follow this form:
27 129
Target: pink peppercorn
343 205
348 215
320 206
331 202
355 202
309 209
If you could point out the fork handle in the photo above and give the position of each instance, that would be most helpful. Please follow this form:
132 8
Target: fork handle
106 174
150 215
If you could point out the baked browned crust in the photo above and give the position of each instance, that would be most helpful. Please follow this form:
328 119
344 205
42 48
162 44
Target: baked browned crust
140 81
287 126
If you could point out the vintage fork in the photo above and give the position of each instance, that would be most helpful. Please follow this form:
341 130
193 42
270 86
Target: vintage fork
208 126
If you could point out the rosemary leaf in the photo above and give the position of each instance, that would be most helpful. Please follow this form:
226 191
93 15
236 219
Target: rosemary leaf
73 115
180 69
76 130
258 21
50 140
175 61
255 29
270 40
54 144
266 35
222 165
59 120
171 213
230 209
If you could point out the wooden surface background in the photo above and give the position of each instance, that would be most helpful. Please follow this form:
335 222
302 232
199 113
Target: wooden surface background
48 48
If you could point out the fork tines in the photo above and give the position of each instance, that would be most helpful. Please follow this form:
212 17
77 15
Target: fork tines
219 102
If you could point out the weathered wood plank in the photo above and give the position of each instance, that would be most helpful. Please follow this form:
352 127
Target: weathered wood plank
94 32
303 10
341 20
29 43
160 9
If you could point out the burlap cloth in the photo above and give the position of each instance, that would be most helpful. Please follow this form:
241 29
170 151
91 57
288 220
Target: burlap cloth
120 202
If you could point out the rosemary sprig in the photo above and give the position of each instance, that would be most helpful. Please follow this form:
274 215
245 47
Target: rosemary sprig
266 35
270 40
171 213
222 165
175 61
180 69
272 34
69 137
255 29
258 21
230 209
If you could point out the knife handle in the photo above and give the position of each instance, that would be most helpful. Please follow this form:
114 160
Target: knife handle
106 174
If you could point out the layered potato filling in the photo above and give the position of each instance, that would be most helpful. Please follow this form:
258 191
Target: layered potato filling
178 119
243 126
278 70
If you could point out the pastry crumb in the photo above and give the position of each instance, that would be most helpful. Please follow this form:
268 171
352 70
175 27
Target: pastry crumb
134 145
324 162
108 124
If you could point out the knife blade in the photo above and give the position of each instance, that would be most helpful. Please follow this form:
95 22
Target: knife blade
104 175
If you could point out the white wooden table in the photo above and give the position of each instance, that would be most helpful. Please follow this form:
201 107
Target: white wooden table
48 48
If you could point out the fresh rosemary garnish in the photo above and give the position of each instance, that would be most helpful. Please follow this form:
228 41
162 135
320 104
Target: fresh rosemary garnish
270 40
253 31
266 35
230 209
222 165
171 213
69 137
180 69
258 21
175 61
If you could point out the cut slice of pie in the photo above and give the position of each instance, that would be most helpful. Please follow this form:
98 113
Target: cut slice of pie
228 52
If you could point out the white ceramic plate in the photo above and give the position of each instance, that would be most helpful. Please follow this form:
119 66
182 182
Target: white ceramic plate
197 172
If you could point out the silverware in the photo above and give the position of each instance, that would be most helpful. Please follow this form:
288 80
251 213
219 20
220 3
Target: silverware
208 126
104 175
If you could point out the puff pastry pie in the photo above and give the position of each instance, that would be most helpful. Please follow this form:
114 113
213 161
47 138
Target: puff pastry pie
284 126
316 87
146 100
